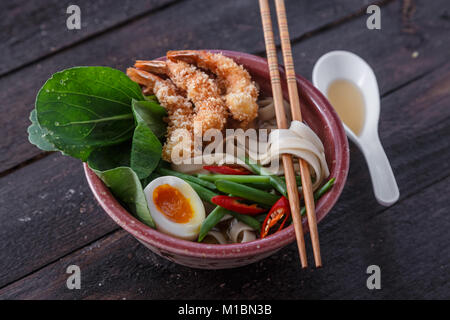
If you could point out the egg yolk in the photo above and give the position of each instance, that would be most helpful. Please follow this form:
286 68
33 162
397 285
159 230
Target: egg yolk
172 203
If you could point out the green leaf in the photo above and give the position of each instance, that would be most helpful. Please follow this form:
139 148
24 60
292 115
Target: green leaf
112 165
149 179
146 149
151 98
152 114
125 185
38 136
110 157
87 107
145 152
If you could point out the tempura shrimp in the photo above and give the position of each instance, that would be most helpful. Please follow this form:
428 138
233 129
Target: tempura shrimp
210 109
241 92
179 110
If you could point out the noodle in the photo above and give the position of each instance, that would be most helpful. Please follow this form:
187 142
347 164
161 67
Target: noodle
266 110
226 217
239 232
215 236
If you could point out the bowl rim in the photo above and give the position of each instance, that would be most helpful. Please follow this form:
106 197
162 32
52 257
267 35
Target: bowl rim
237 250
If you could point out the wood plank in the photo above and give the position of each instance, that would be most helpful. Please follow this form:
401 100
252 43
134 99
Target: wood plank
34 29
357 233
32 245
396 55
412 251
234 25
46 210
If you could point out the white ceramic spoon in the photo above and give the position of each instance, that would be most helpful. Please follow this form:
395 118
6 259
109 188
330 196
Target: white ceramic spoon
346 65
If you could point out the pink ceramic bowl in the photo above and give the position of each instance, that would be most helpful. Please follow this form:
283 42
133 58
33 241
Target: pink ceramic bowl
319 115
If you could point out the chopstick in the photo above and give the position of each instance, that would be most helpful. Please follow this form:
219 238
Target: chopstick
288 165
282 124
297 115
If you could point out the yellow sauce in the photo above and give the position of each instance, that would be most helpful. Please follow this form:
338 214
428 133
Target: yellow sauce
172 203
348 101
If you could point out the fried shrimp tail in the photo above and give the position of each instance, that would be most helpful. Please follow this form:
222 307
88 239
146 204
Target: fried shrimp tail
241 92
153 66
179 110
210 109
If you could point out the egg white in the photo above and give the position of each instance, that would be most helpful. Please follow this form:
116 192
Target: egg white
188 230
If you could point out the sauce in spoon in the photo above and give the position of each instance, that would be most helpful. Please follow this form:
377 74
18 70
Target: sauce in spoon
348 101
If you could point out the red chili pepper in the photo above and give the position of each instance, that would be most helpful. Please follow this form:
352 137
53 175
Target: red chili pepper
233 204
235 170
279 210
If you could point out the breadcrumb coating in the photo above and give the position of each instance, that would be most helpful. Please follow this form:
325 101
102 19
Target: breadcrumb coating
241 92
210 108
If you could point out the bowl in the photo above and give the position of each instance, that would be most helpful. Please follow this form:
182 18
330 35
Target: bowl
317 113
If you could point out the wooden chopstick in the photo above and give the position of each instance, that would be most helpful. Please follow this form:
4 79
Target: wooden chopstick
297 115
288 165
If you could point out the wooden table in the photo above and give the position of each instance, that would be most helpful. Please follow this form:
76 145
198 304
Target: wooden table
50 220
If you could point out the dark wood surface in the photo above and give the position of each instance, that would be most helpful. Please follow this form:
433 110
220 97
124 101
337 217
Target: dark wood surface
49 218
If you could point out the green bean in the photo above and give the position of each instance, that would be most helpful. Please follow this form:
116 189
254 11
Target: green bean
204 193
246 192
327 186
298 179
211 221
278 185
276 182
186 177
259 182
235 178
319 193
260 185
255 168
248 220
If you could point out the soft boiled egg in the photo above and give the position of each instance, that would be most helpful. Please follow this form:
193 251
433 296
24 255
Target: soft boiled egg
175 207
